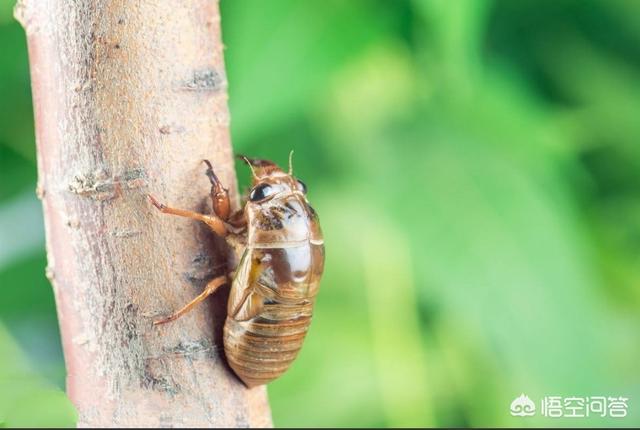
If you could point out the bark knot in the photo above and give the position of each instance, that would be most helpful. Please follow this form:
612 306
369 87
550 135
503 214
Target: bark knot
205 80
101 186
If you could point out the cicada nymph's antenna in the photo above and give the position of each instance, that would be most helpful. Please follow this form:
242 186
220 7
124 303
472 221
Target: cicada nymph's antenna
246 160
290 163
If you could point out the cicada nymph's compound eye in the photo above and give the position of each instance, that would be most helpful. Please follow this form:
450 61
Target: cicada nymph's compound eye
302 187
261 192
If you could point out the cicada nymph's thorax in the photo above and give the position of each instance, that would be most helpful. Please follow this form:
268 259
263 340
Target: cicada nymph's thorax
277 279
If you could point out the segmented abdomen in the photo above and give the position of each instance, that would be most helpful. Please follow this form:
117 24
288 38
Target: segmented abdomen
261 350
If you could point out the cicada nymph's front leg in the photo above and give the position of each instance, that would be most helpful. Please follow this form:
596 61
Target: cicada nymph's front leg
221 203
219 194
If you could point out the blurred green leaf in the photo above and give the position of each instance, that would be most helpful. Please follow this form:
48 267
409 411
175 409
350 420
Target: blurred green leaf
21 171
395 327
450 41
282 53
26 399
26 290
16 121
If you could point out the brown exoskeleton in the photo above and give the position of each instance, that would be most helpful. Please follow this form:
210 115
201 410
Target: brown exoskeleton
276 281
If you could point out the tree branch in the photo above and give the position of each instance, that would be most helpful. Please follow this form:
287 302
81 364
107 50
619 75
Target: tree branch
129 98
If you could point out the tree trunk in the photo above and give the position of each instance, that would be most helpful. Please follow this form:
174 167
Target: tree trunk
129 98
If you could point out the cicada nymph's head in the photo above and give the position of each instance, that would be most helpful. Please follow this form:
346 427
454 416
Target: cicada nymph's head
270 181
278 201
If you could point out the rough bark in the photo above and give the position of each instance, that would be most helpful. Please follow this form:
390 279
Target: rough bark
129 98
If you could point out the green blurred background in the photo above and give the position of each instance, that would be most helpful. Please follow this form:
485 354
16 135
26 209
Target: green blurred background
476 167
